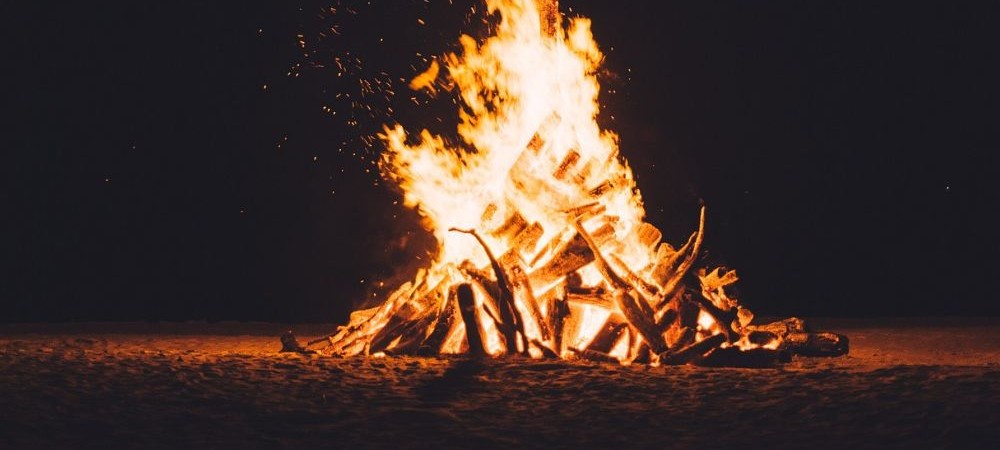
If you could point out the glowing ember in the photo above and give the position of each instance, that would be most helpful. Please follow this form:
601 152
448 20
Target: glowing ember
542 220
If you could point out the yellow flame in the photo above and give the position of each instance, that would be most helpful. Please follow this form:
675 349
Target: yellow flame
513 85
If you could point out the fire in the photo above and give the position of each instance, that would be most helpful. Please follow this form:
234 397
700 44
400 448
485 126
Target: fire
539 214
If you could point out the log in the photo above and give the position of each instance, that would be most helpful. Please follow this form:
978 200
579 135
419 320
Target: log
782 327
586 299
761 337
557 314
546 351
608 334
467 307
568 161
674 280
640 318
401 318
668 319
445 321
816 344
596 356
692 352
646 289
684 338
508 310
569 256
724 318
413 335
642 323
522 286
643 355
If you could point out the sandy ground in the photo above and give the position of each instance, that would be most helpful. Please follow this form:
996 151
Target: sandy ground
906 384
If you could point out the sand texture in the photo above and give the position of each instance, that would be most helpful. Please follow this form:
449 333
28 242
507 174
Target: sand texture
905 384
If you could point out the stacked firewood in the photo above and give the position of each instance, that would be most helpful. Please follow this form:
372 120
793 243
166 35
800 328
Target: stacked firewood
658 318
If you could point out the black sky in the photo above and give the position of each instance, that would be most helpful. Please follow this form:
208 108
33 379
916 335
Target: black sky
844 150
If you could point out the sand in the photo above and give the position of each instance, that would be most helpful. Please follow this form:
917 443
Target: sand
905 384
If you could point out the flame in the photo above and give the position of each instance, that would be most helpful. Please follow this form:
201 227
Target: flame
534 173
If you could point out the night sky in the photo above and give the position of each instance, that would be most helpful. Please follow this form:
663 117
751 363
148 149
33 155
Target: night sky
204 160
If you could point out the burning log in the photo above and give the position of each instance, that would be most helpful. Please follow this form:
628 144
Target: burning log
667 320
672 282
684 338
445 321
591 299
467 306
783 327
569 256
724 318
557 313
523 286
509 313
595 356
640 318
608 334
692 352
546 351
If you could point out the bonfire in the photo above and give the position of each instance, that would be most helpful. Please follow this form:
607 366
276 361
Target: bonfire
543 250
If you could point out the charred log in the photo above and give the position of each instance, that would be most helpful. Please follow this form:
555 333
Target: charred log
692 352
467 307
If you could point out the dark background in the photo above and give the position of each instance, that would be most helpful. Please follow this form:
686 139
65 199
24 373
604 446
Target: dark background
844 150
